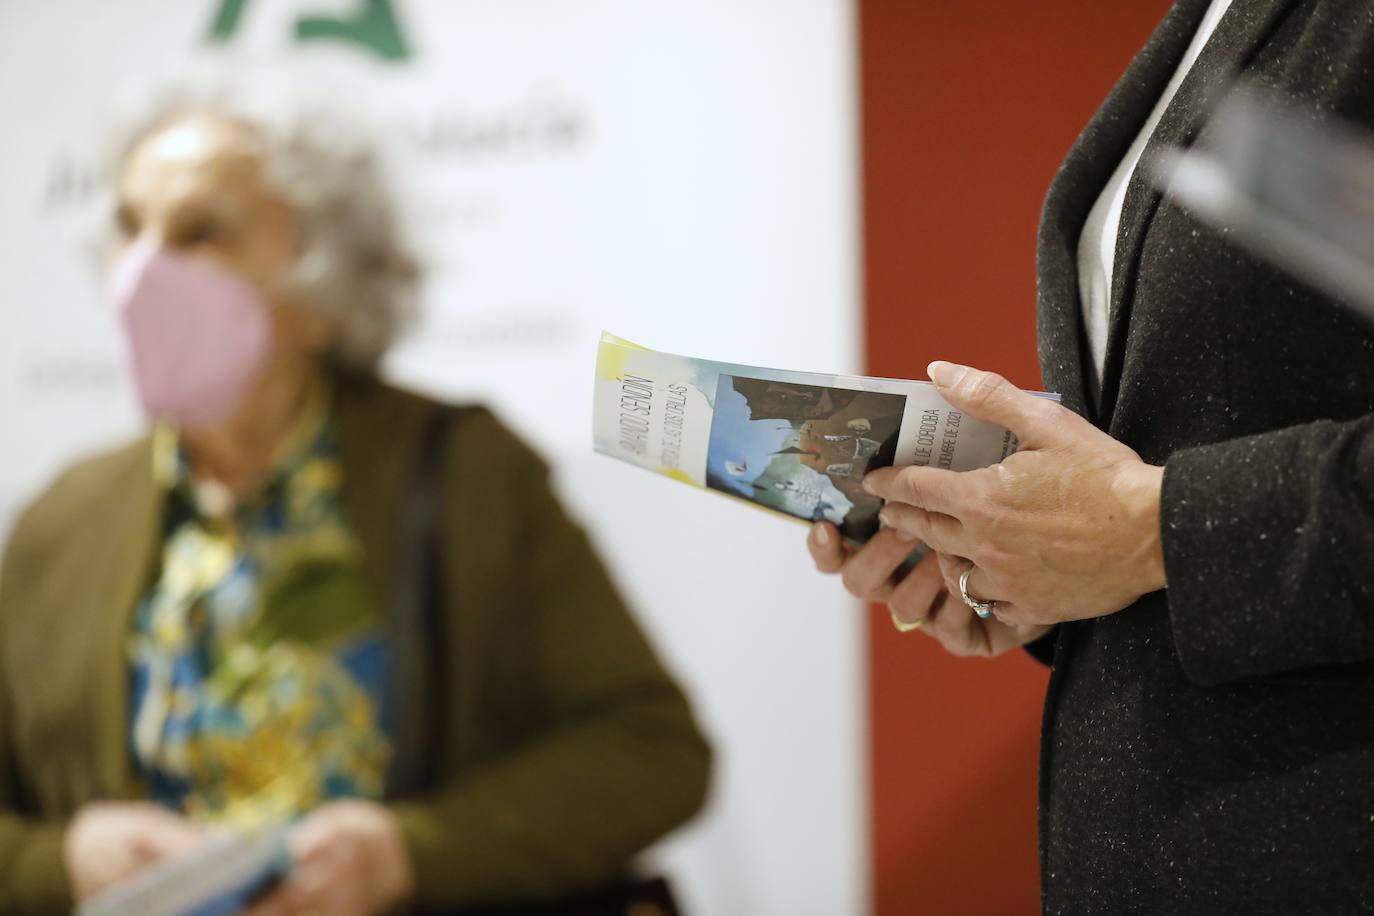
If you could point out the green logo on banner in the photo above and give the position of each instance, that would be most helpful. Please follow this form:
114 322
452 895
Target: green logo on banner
373 25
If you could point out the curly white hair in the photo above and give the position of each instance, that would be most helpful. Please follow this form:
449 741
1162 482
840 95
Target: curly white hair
326 164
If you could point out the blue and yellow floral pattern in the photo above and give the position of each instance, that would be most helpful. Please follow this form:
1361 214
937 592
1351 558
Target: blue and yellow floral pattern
258 658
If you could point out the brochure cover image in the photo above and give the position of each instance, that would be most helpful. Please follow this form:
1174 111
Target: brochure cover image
794 443
803 449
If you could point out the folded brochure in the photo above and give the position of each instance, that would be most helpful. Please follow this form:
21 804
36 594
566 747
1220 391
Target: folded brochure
797 443
218 879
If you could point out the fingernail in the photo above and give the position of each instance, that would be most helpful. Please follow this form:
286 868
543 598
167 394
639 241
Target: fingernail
868 485
945 375
820 535
904 536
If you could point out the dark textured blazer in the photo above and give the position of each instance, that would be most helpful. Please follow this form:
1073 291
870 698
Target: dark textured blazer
1210 749
559 746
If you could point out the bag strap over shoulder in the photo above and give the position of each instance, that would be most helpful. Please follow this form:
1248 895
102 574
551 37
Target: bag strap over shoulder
418 663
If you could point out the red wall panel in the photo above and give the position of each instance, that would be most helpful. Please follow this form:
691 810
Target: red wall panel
967 110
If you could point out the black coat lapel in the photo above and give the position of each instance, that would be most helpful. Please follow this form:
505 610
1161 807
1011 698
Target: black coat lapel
1241 33
1064 359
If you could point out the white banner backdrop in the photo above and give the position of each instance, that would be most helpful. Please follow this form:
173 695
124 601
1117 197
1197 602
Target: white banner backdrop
682 174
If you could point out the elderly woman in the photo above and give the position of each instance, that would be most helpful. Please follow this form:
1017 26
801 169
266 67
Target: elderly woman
1189 540
308 597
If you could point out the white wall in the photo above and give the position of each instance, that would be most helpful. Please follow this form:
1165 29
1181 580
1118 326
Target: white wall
686 177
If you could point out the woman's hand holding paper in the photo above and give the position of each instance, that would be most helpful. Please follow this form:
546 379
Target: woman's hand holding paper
108 843
919 598
1066 528
350 860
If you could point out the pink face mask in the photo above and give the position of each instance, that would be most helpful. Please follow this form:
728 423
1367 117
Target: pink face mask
197 333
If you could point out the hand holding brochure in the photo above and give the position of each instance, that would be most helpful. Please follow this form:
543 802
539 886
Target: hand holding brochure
798 443
218 879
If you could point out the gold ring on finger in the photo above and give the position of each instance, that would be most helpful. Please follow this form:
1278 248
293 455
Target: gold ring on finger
902 625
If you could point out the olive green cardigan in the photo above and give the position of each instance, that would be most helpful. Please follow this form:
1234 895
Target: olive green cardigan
565 747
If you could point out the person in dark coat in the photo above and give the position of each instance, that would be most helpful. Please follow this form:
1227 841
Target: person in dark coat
1189 539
